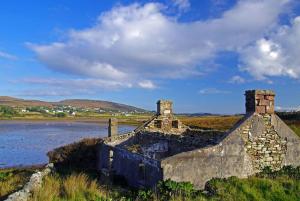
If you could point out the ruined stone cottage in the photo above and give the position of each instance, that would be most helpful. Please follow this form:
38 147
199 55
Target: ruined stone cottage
163 148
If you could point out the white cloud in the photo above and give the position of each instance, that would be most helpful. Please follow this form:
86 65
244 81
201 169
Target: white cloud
276 56
237 80
43 93
147 84
287 109
182 4
78 84
135 43
212 91
7 56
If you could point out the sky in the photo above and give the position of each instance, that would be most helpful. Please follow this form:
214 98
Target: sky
203 55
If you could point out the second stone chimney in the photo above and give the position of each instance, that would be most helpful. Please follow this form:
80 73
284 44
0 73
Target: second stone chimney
112 127
164 107
260 101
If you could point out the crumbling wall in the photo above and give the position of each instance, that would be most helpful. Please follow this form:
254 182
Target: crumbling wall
265 146
138 170
228 158
148 143
164 121
257 142
168 124
33 184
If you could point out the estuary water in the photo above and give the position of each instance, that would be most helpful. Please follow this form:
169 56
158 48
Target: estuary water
26 143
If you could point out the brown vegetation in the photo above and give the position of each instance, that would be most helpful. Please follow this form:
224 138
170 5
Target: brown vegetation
222 123
80 155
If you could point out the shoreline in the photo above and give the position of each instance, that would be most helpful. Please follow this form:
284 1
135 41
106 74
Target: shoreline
21 167
81 120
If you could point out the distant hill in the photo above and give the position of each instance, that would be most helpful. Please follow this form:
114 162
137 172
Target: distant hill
79 103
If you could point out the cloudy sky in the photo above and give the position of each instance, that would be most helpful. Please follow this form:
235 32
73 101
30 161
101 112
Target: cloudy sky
201 54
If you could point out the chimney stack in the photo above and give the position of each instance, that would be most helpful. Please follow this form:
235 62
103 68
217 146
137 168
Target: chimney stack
112 127
164 107
260 101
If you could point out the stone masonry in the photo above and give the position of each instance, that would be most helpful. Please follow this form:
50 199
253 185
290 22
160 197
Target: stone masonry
268 149
260 101
163 148
164 121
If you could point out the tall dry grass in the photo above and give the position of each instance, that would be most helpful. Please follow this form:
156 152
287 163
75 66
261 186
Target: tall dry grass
76 187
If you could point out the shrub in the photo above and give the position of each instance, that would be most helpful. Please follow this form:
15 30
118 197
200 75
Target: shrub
80 155
168 189
7 111
60 114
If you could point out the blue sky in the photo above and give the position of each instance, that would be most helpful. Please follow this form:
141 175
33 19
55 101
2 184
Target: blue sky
202 55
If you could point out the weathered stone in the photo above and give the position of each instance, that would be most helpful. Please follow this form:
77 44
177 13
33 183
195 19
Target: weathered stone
112 127
258 141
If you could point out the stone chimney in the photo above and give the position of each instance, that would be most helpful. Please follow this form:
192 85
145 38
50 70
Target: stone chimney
112 127
260 101
164 107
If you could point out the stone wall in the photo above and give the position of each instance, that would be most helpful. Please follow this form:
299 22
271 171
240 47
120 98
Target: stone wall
136 169
267 149
166 150
257 142
228 158
34 183
164 120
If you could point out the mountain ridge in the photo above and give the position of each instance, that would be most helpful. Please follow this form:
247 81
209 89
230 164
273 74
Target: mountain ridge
80 103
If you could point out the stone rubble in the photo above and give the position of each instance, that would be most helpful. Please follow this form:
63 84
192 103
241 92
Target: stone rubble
34 183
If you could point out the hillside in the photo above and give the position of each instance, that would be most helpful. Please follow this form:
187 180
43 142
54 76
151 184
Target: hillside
16 102
105 105
79 103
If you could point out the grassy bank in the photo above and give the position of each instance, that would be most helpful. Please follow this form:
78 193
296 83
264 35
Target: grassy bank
281 185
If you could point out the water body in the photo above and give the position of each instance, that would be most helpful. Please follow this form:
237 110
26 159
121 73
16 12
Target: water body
26 143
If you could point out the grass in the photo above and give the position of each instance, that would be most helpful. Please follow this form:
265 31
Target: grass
295 126
13 179
283 185
76 187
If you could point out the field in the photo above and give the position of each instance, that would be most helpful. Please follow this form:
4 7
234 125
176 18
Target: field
222 123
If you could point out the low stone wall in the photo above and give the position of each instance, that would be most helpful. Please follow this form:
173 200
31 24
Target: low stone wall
34 183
